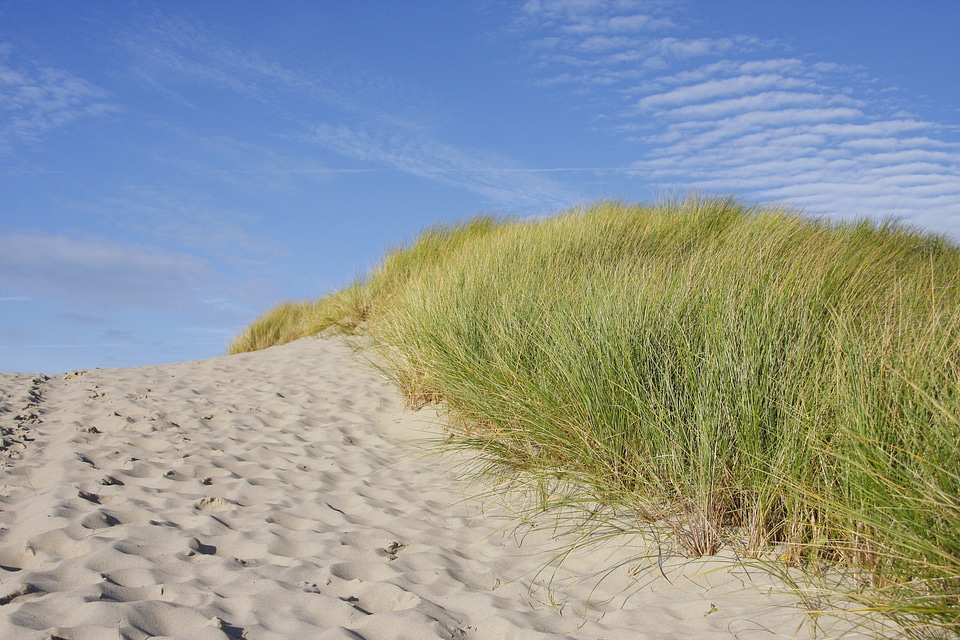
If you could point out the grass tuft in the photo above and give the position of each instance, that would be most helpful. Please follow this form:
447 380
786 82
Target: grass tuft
741 376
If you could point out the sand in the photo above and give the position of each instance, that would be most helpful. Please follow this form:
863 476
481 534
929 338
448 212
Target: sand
286 494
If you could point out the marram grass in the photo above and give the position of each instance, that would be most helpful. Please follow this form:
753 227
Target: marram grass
349 309
741 376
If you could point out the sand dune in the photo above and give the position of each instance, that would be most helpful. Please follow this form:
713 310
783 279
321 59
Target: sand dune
282 494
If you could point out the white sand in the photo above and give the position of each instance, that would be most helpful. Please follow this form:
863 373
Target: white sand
280 494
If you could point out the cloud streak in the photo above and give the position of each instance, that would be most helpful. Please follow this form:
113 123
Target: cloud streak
98 270
490 175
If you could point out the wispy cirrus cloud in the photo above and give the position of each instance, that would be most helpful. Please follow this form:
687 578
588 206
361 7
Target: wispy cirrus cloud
36 100
731 114
366 117
164 52
493 176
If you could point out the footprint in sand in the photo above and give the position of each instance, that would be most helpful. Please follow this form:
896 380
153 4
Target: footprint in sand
382 597
201 548
213 504
99 520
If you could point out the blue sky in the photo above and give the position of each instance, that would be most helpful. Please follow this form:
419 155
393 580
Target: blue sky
170 170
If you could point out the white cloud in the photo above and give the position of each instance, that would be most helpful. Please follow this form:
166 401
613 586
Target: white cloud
604 43
720 88
882 142
766 101
632 23
677 48
34 101
874 129
583 17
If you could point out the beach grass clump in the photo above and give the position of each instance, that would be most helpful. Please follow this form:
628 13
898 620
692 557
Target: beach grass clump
739 376
351 308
